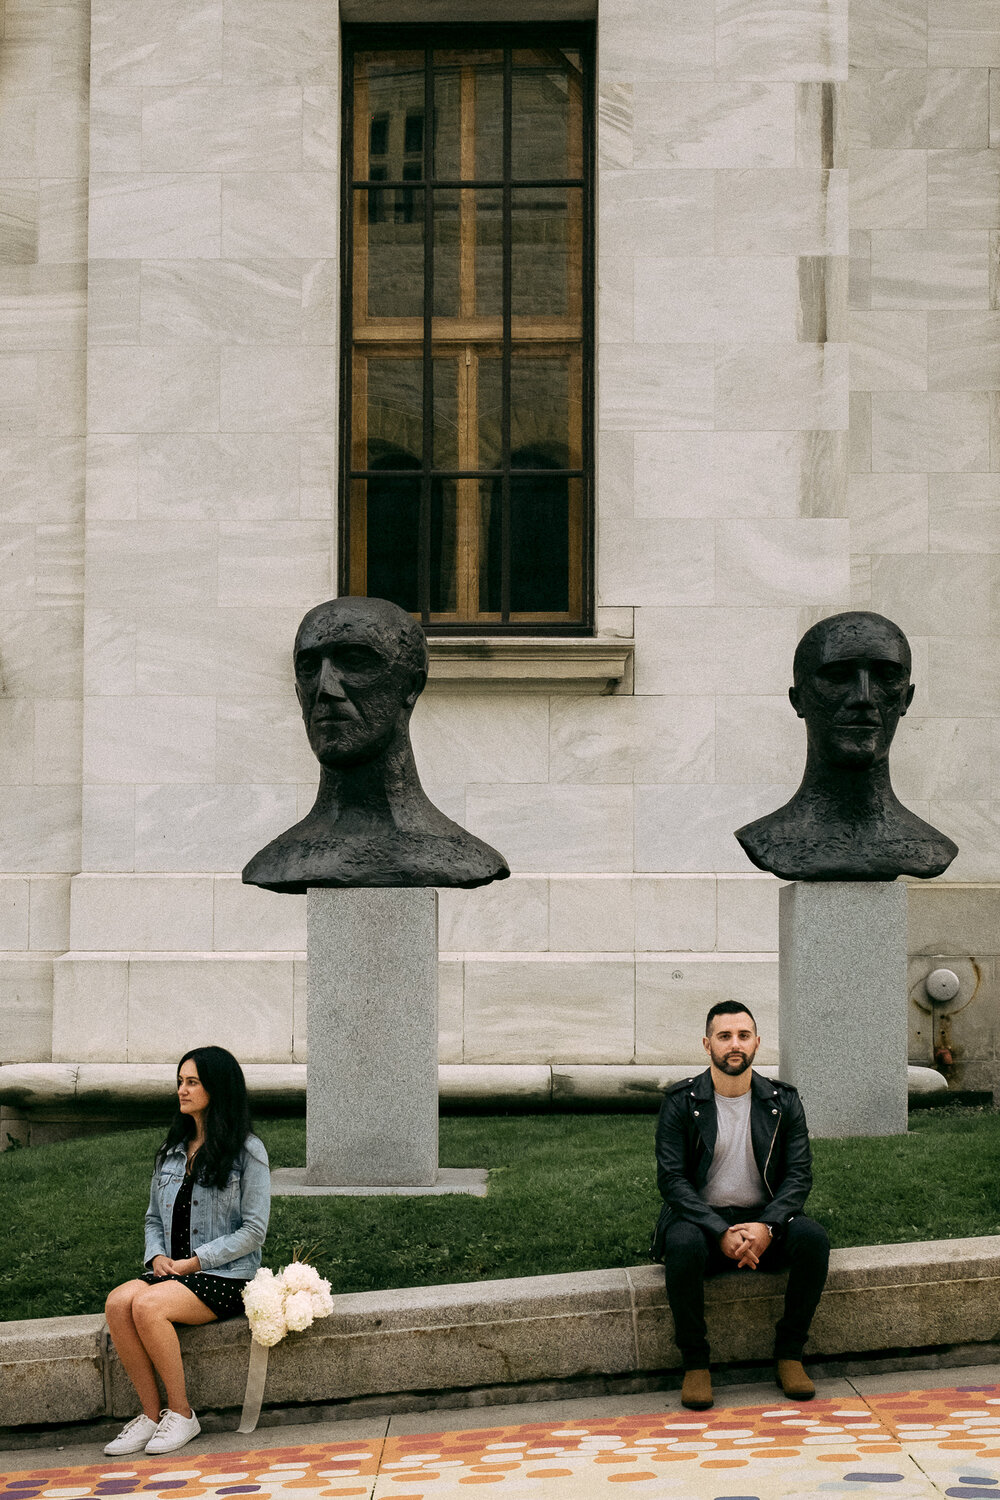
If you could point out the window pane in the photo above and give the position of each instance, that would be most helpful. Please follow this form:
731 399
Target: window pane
389 251
490 391
446 374
539 412
489 124
466 109
545 104
539 545
543 539
444 536
489 254
395 412
447 252
391 518
447 118
389 100
546 261
490 539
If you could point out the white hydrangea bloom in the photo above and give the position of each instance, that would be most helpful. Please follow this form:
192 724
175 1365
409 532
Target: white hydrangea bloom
268 1329
298 1311
322 1301
298 1277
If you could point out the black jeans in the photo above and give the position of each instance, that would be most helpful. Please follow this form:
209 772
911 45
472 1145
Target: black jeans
690 1254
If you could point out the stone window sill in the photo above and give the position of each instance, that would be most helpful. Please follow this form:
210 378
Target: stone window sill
590 665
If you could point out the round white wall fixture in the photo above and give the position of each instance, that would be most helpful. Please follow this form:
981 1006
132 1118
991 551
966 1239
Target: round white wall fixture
942 985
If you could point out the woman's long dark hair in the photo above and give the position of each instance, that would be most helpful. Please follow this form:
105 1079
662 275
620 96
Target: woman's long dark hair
227 1120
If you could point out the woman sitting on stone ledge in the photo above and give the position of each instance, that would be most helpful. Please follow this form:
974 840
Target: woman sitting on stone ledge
205 1225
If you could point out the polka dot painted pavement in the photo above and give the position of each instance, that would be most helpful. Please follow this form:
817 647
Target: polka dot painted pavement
911 1445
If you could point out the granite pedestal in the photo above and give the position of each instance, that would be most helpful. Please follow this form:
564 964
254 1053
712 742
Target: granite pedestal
372 1091
842 1004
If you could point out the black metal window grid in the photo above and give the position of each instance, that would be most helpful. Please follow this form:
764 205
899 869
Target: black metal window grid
407 188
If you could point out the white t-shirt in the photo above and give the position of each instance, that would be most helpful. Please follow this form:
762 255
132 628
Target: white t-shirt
733 1178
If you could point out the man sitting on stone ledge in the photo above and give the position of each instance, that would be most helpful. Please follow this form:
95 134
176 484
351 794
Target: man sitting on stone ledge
733 1167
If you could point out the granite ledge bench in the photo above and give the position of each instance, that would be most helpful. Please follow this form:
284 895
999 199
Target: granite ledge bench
538 1328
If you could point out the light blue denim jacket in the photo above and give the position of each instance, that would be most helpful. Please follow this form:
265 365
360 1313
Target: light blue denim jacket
228 1224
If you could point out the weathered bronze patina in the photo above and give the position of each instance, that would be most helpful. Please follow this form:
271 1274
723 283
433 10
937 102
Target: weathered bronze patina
360 665
851 686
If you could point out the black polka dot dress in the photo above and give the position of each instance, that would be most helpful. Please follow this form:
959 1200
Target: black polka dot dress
220 1294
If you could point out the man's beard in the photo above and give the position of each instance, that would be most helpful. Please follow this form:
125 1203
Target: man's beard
729 1064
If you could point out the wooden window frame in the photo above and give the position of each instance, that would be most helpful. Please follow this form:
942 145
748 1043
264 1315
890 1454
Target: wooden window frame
514 337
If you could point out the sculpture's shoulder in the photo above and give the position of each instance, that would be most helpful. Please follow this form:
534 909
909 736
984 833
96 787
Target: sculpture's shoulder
305 856
924 851
799 842
777 839
279 865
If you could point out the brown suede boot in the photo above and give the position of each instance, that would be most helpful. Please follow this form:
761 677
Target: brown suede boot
794 1381
696 1392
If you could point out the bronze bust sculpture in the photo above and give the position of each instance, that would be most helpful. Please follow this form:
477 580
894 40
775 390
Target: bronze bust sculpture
851 686
360 665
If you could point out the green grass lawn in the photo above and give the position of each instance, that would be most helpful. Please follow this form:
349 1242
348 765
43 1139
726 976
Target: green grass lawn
567 1193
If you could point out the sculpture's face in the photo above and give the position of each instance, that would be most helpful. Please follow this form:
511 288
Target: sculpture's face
855 692
352 684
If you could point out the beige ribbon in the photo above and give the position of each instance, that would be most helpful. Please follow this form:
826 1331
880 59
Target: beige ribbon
256 1376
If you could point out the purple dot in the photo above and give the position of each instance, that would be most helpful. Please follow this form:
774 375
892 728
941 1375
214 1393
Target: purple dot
968 1492
239 1489
875 1478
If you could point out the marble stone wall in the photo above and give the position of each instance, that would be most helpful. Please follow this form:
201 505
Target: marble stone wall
798 232
43 254
923 498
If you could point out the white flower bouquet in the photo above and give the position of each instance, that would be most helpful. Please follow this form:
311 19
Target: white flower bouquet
286 1303
275 1305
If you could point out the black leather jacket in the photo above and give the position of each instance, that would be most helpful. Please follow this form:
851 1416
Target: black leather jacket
685 1143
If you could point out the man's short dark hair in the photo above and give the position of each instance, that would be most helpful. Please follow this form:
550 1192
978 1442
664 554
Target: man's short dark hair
727 1008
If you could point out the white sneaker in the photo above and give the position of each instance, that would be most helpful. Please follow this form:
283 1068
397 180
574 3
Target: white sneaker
133 1437
173 1432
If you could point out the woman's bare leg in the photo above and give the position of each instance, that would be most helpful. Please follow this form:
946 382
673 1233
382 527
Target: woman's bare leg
155 1310
129 1346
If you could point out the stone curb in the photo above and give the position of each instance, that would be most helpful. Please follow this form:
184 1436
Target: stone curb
94 1088
530 1329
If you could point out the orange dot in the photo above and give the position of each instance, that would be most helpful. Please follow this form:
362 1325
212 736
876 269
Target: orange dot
549 1474
894 1447
483 1479
362 1491
628 1478
964 1447
725 1463
836 1458
775 1453
614 1458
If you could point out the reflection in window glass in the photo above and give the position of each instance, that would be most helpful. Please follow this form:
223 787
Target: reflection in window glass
447 377
539 412
447 252
392 515
395 413
489 379
389 92
389 227
545 269
489 124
